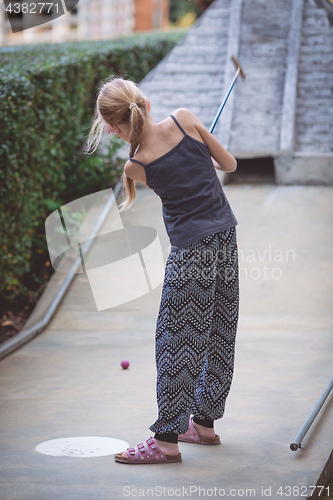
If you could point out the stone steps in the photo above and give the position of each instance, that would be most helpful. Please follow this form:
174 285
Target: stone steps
192 75
191 69
314 102
284 109
263 49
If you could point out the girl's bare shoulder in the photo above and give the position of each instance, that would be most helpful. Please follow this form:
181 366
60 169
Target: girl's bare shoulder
185 115
189 122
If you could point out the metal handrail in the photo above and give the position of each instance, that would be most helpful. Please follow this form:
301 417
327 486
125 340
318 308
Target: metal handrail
314 412
21 338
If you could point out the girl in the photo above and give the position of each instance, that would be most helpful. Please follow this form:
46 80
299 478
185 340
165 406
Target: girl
198 314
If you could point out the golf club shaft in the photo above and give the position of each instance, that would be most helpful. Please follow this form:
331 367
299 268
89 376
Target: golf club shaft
223 103
314 412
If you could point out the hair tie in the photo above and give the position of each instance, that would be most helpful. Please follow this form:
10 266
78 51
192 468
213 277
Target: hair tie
131 106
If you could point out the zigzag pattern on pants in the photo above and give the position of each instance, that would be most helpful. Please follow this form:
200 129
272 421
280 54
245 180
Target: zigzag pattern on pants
195 331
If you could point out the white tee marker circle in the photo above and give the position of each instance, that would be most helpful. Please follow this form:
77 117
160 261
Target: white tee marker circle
82 447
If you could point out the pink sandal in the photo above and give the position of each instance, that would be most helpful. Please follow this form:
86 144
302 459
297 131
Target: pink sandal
147 453
192 436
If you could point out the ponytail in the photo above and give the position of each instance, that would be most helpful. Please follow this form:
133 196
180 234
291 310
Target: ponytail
120 101
137 128
138 121
129 189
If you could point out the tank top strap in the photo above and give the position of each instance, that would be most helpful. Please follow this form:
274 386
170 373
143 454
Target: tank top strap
181 128
136 161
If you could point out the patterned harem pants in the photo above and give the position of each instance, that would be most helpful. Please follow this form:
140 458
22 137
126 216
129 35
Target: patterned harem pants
196 330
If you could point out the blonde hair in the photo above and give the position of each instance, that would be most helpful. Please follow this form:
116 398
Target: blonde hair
113 106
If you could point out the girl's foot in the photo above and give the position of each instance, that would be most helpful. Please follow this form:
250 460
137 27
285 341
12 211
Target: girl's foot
206 432
198 434
167 448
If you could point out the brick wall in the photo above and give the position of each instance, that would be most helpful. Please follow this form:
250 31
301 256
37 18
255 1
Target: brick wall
151 15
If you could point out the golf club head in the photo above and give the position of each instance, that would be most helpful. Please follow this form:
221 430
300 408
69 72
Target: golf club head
238 66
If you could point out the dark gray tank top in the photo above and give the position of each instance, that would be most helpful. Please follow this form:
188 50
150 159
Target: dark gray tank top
194 203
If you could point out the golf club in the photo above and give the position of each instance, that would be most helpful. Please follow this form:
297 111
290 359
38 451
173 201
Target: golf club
239 71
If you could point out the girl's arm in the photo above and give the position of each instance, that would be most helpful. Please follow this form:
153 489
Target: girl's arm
194 127
216 165
135 172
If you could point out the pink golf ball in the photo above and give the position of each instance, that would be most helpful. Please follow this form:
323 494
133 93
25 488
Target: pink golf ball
125 364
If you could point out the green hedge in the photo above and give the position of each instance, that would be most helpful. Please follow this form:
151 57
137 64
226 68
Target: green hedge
47 95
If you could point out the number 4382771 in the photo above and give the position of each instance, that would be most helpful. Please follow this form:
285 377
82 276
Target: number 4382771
297 491
31 8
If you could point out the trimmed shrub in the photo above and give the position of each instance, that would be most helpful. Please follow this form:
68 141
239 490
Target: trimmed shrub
47 96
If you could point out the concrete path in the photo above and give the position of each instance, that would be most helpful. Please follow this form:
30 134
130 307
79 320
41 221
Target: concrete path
68 381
